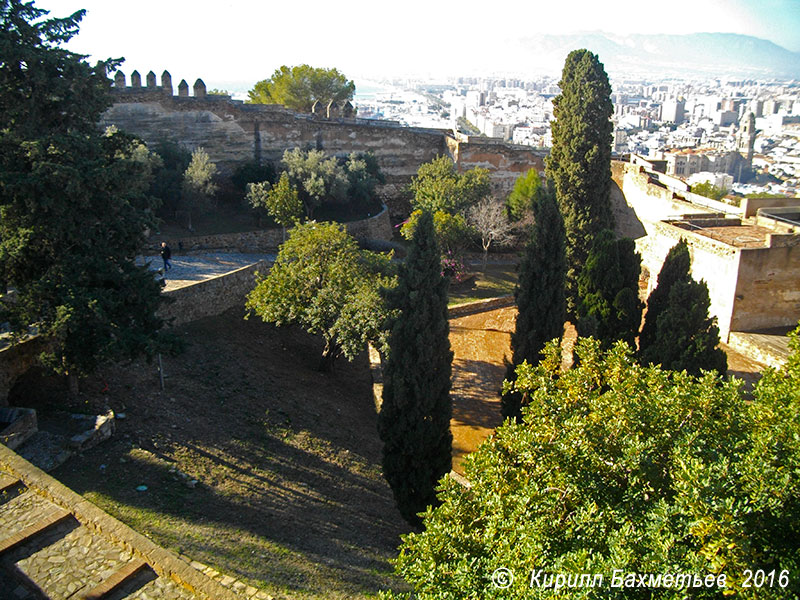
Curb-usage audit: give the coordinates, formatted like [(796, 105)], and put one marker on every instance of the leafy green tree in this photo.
[(364, 175), (198, 183), (447, 194), (300, 86), (281, 201), (622, 467), (324, 283), (608, 289), (452, 230), (677, 333), (709, 190), (541, 304), (414, 420), (252, 172), (318, 179), (527, 189), (168, 180), (74, 206), (439, 186), (579, 163)]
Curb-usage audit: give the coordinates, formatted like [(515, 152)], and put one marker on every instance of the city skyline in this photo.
[(227, 42)]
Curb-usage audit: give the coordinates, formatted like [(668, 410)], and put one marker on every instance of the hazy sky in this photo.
[(238, 41)]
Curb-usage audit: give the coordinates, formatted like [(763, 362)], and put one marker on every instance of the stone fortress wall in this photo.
[(234, 133), (749, 259)]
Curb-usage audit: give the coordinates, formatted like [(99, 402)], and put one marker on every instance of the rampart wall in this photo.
[(233, 133), (261, 241), (750, 288), (211, 296), (768, 288)]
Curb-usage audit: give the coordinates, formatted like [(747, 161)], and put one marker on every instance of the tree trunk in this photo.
[(328, 357), (72, 384)]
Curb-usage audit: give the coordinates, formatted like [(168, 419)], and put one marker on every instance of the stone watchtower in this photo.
[(747, 138)]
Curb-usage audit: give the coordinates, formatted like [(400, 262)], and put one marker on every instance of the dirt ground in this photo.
[(481, 346), (253, 461)]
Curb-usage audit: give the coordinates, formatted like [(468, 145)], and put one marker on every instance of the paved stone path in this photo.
[(47, 552), (191, 268)]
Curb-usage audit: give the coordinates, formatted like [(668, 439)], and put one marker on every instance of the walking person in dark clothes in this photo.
[(166, 254)]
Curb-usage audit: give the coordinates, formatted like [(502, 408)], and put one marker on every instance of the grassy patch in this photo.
[(492, 282), (252, 462)]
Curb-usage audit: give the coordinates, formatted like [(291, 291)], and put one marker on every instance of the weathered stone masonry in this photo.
[(233, 133)]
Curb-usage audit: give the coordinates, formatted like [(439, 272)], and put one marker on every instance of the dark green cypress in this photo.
[(675, 268), (579, 163), (609, 308), (678, 333), (414, 421), (539, 294)]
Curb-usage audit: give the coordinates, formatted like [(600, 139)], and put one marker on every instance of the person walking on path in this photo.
[(166, 254)]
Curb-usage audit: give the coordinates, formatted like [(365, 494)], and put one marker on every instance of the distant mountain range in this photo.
[(693, 55)]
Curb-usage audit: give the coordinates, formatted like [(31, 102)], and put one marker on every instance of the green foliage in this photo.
[(579, 163), (539, 294), (300, 86), (252, 172), (439, 186), (73, 201), (168, 179), (527, 189), (677, 333), (414, 421), (281, 201), (363, 177), (608, 287), (452, 231), (324, 283), (198, 182), (320, 180), (709, 190), (447, 194), (619, 466)]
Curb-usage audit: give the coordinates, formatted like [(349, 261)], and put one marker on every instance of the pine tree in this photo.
[(579, 163), (74, 207), (539, 295), (609, 308), (678, 333), (414, 421)]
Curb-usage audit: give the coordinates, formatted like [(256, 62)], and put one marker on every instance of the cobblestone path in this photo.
[(46, 553)]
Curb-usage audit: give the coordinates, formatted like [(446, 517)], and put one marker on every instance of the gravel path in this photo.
[(191, 268)]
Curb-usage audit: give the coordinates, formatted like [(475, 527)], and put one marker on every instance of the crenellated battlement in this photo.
[(152, 90)]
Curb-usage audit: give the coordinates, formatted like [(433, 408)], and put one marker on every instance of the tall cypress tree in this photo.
[(580, 160), (414, 421), (539, 294), (609, 308), (678, 333)]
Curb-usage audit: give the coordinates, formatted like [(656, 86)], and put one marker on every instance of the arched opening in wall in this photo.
[(38, 388)]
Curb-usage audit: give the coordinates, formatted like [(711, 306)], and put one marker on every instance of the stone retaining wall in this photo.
[(211, 296), (459, 310), (261, 241)]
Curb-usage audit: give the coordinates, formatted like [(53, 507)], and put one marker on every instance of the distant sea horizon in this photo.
[(367, 90)]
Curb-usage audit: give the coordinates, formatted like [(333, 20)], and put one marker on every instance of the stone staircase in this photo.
[(56, 545)]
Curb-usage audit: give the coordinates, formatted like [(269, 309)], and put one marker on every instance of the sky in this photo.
[(236, 43)]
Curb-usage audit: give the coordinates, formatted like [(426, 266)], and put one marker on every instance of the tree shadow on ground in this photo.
[(290, 494)]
